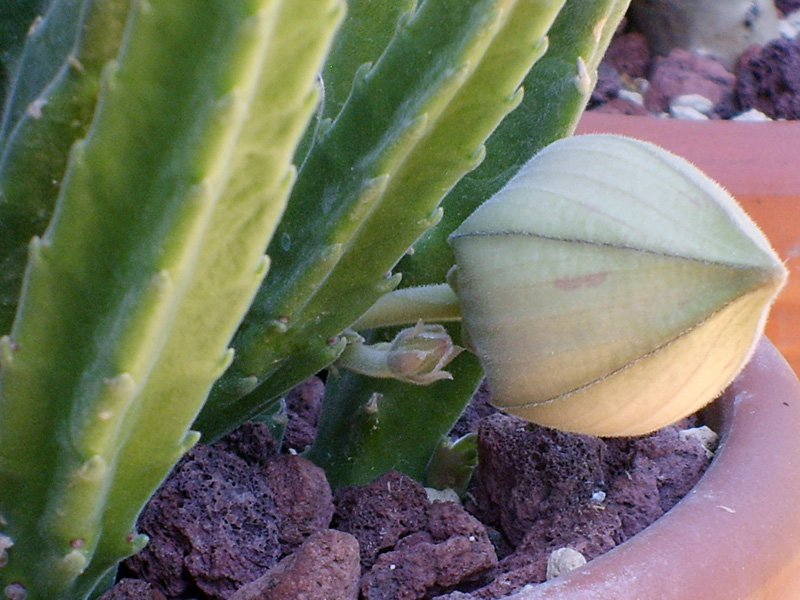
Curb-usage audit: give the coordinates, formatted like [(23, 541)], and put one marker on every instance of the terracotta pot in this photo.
[(757, 164), (736, 536)]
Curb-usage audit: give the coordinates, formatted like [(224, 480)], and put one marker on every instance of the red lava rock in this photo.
[(212, 526), (303, 405), (769, 79), (324, 567), (522, 468), (219, 522), (608, 84), (676, 463), (132, 589), (683, 72), (586, 493), (630, 54), (380, 513), (590, 529), (401, 575), (410, 547), (251, 441), (303, 499), (455, 549), (787, 6), (227, 516)]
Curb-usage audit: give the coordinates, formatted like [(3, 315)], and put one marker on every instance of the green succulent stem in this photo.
[(152, 256), (49, 106), (146, 152), (435, 303), (369, 359), (453, 463), (376, 175)]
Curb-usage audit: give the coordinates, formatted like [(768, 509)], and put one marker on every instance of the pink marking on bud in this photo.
[(574, 283)]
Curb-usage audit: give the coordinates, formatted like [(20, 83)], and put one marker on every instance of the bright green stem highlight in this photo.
[(369, 359), (366, 31), (556, 92), (431, 303)]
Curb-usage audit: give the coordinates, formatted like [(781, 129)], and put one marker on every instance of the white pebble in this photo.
[(687, 113), (631, 96), (15, 591), (704, 436), (752, 115), (598, 497), (447, 495), (696, 101), (789, 26), (787, 29), (563, 561), (5, 543)]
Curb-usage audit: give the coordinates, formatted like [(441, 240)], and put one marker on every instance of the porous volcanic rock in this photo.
[(380, 513), (303, 406), (682, 73), (585, 493), (412, 548), (132, 589), (769, 79), (629, 54), (221, 521), (324, 567)]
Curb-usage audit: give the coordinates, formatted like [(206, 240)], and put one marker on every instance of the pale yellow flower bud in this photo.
[(611, 288)]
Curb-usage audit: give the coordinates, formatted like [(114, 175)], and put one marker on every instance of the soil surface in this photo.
[(245, 520)]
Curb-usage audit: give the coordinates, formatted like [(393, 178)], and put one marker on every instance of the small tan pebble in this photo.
[(563, 561), (704, 435), (447, 495)]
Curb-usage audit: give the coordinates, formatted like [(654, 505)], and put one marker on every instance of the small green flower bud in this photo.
[(419, 354)]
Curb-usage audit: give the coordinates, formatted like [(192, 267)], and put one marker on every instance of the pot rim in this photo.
[(737, 533)]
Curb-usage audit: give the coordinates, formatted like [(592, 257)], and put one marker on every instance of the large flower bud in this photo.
[(611, 288)]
